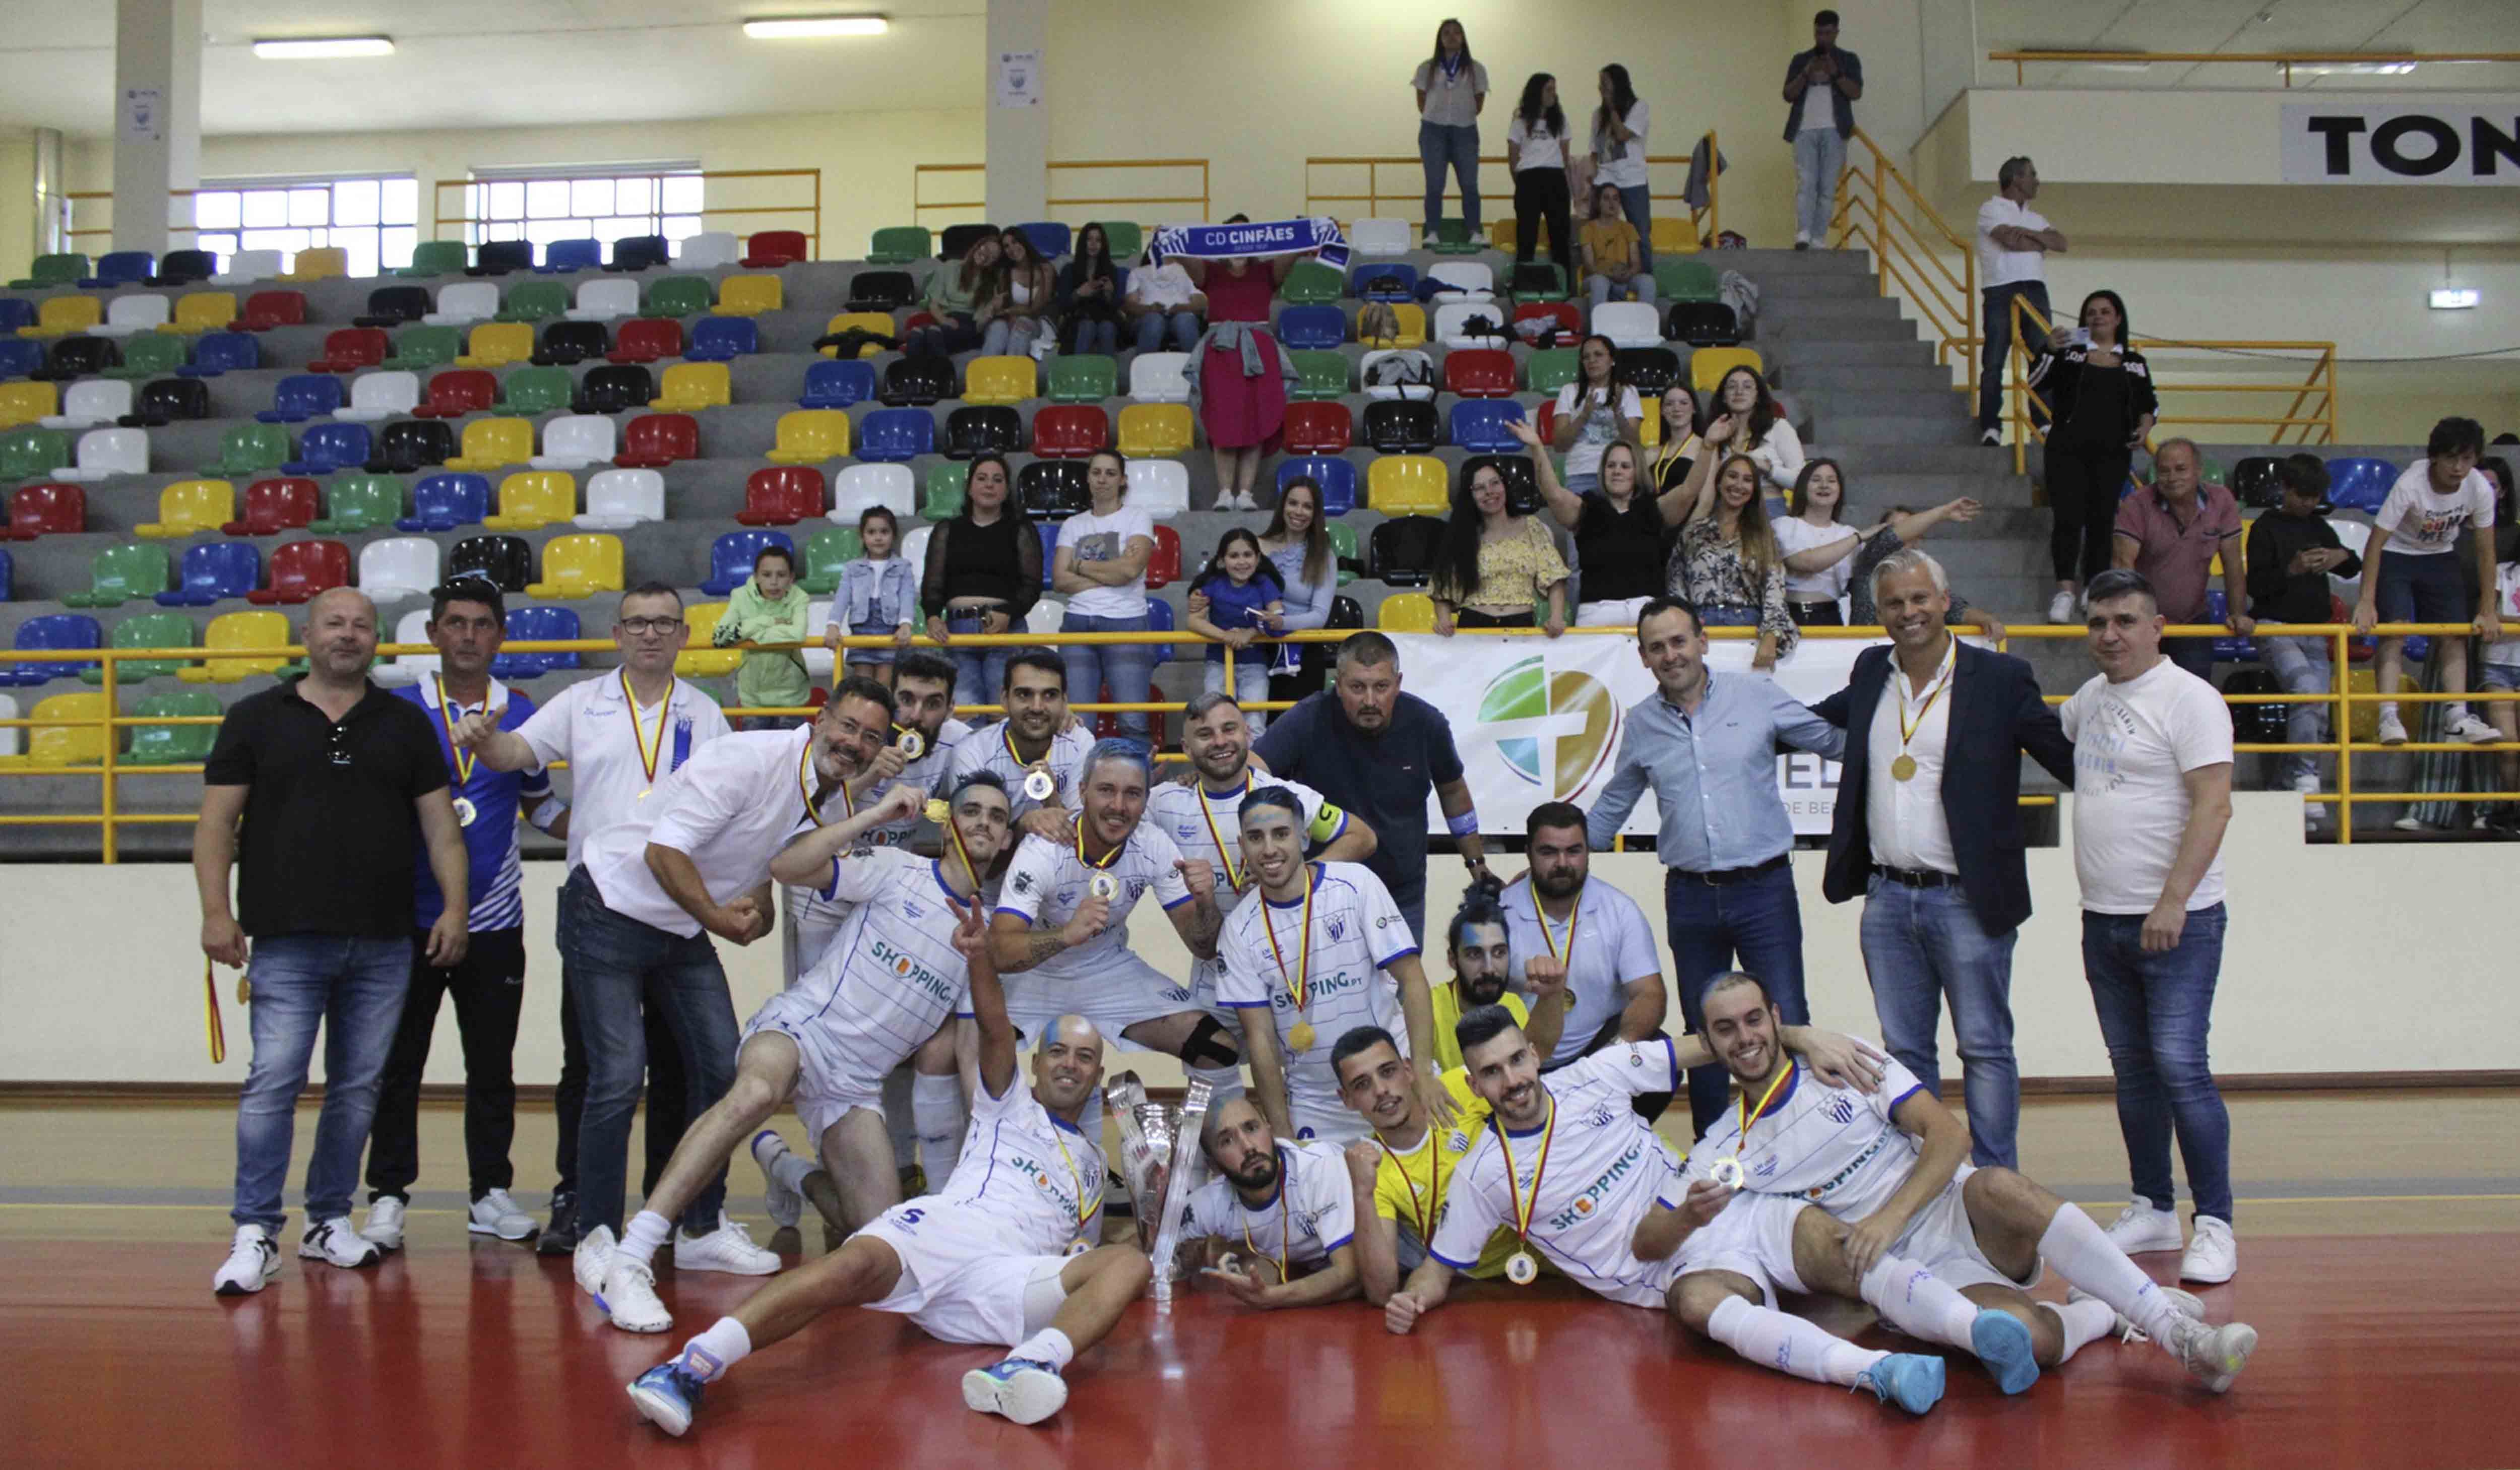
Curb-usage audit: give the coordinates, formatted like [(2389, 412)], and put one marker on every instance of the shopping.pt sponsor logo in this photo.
[(1556, 731)]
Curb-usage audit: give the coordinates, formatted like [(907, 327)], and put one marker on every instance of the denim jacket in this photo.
[(883, 592)]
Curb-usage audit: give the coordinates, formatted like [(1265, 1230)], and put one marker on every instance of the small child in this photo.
[(877, 596), (768, 608), (1238, 594)]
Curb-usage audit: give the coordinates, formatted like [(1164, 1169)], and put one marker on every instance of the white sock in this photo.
[(2086, 1319), (645, 1232), (1050, 1346), (2453, 712), (2388, 709), (1228, 1081), (1920, 1303), (1788, 1344), (708, 1355), (2082, 1253), (791, 1170), (936, 1104)]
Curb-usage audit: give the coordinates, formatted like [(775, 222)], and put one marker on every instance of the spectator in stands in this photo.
[(1614, 261), (983, 575), (956, 294), (1726, 564), (2499, 672), (1594, 410), (1102, 570), (768, 607), (1812, 528), (1238, 382), (2170, 531), (1452, 90), (1820, 142), (339, 787), (1676, 448), (1622, 530), (1536, 155), (1759, 427), (1899, 528), (1619, 127), (1239, 601), (2100, 402), (2414, 578), (1027, 292), (1298, 543), (1493, 566), (877, 598), (2292, 552), (1163, 304), (2014, 241), (1089, 294)]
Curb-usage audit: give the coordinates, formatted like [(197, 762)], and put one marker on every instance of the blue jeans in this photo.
[(2155, 1013), (607, 964), (1639, 286), (1097, 334), (1128, 670), (1920, 945), (980, 674), (1635, 205), (1755, 925), (1009, 337), (1995, 326), (1440, 146), (352, 990), (1181, 323), (2301, 666), (1820, 156)]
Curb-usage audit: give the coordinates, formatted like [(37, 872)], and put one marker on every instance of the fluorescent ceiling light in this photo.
[(2353, 69), (2455, 298), (816, 25), (322, 48)]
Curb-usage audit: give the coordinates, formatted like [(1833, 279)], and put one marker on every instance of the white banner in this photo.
[(2345, 142)]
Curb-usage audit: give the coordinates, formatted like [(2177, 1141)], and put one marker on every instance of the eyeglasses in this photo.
[(640, 626)]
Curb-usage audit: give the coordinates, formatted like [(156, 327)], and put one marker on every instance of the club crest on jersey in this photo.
[(1602, 1116), (1338, 930), (1840, 1109), (1457, 1142), (1023, 882)]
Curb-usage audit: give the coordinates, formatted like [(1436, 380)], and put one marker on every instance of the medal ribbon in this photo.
[(1574, 917), (1423, 1209), (1750, 1115), (648, 755), (1300, 983), (463, 759), (1084, 1212), (1524, 1204), (1096, 864), (1216, 834), (1907, 730), (1008, 734), (805, 782), (1286, 1237)]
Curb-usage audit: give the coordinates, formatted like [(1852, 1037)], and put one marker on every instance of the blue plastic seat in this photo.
[(59, 630), (123, 268), (1312, 327), (2228, 650), (15, 312), (638, 252), (213, 570), (1390, 281), (1049, 530), (1050, 238), (896, 434), (717, 339), (220, 352), (19, 356), (571, 255), (1335, 477), (2360, 484), (7, 576), (327, 447), (1479, 425), (535, 624), (303, 396), (1159, 619), (447, 501), (730, 559), (829, 384)]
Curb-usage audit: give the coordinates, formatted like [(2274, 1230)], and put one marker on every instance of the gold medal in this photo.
[(912, 744), (1298, 981), (1904, 767), (1103, 886), (465, 814), (1300, 1036), (1521, 1268), (935, 811)]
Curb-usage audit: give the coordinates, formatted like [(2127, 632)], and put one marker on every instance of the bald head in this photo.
[(1068, 1065), (340, 634)]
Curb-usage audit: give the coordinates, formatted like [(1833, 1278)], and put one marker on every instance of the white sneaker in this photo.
[(2313, 813), (335, 1241), (1802, 241), (629, 1297), (2212, 1253), (2474, 731), (1991, 436), (2140, 1228), (385, 1224), (2412, 823), (495, 1214), (592, 1261), (786, 1205), (2185, 1303), (2215, 1354), (1428, 243), (252, 1260), (2393, 731), (727, 1248), (1245, 500), (2060, 607)]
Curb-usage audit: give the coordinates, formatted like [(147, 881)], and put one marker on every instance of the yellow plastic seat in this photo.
[(749, 296), (1408, 484), (1160, 431), (579, 566), (1708, 364), (1674, 236), (1405, 612), (203, 311), (318, 263), (696, 385), (876, 322), (191, 508), (533, 498), (1411, 319), (1649, 430), (490, 443), (239, 630), (496, 345), (699, 660), (23, 403), (809, 436), (60, 316), (999, 379), (67, 743)]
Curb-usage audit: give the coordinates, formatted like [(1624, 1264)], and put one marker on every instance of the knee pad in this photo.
[(1209, 1046)]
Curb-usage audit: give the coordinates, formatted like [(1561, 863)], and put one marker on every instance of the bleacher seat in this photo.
[(69, 731), (328, 447), (52, 631), (302, 396), (1479, 372), (442, 503), (538, 625), (679, 296), (19, 357), (1677, 280), (615, 388), (1164, 558), (1381, 236), (1565, 316), (214, 571), (605, 298), (490, 443), (699, 660), (1086, 377), (691, 386), (408, 668), (61, 268), (462, 303), (502, 257), (174, 745), (984, 428), (90, 403), (1550, 369), (270, 310), (244, 630), (357, 502), (298, 570), (398, 567), (378, 396), (1312, 327), (1401, 427), (72, 357), (507, 561), (1702, 324), (30, 453), (1053, 489), (245, 267), (496, 345), (1317, 429), (65, 316), (771, 248), (436, 257), (1415, 377), (914, 545), (1408, 485), (619, 499), (1389, 281), (2360, 484), (1401, 551), (533, 499), (832, 384), (1405, 612), (1050, 238), (781, 495), (1070, 431), (407, 445), (858, 488), (1158, 430), (563, 256), (394, 305), (147, 629), (918, 381), (809, 436), (458, 392), (718, 339), (573, 441), (566, 344), (2254, 482), (49, 509), (1708, 364), (131, 314), (894, 434), (1319, 376), (1158, 378), (748, 295), (1479, 425), (1047, 530), (1628, 324), (24, 403), (191, 508), (527, 392), (1408, 328), (638, 252), (244, 450), (1000, 380), (730, 559), (276, 505), (1342, 538), (646, 340), (15, 312), (873, 322), (120, 575), (1159, 487), (653, 441), (203, 311), (318, 263), (707, 250), (900, 244), (352, 348), (1468, 280), (578, 566), (103, 453), (417, 347), (1312, 284)]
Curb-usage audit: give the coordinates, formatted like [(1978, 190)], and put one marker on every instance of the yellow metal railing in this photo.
[(2285, 61), (779, 214), (83, 201), (921, 205), (109, 764), (1912, 245), (1707, 224)]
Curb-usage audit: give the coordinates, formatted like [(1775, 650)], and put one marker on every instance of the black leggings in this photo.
[(2083, 489), (1540, 194)]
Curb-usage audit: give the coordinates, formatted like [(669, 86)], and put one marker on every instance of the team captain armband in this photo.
[(548, 815), (1465, 825), (1326, 823)]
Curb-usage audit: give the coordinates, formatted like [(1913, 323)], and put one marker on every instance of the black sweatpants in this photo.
[(489, 987), (1540, 194), (2083, 489)]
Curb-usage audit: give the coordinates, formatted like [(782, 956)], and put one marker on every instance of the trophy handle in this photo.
[(1185, 1154)]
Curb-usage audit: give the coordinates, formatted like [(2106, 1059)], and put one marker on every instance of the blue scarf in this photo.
[(1275, 237)]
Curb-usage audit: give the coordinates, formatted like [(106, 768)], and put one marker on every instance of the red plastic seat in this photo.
[(1164, 563), (783, 495), (1069, 430), (458, 392), (917, 319), (300, 569), (646, 340), (1566, 314), (351, 349), (774, 248), (266, 309), (1318, 428), (653, 441), (1479, 372), (274, 506), (47, 510)]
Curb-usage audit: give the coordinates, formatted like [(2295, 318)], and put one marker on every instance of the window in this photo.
[(544, 205), (375, 219)]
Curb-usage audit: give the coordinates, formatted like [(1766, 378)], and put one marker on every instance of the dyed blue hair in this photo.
[(1116, 748)]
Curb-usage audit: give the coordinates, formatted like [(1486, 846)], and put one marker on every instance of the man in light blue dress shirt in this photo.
[(1707, 748)]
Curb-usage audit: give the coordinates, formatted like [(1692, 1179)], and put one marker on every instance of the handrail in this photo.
[(1904, 232), (1707, 224), (76, 197), (920, 204), (813, 227), (2288, 60)]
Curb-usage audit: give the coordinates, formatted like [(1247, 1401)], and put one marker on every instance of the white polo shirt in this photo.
[(729, 810), (986, 748), (1905, 817), (1611, 944), (589, 725), (1998, 266), (1311, 1213)]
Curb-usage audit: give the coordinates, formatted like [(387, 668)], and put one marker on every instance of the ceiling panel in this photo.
[(2249, 27)]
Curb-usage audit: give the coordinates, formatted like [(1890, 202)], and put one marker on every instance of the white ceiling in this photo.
[(2250, 27)]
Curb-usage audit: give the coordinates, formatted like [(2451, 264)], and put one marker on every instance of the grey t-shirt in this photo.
[(1452, 98)]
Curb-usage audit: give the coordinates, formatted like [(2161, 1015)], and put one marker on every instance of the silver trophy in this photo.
[(1153, 1163)]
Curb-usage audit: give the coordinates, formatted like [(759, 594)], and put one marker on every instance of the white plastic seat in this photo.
[(818, 659), (1628, 324), (861, 487), (1386, 391), (2355, 536), (619, 499), (605, 297), (707, 249), (90, 402), (407, 668), (398, 567), (380, 395), (573, 441), (11, 737), (245, 267), (1473, 277), (1449, 317), (461, 302), (1046, 617), (132, 313), (103, 453), (914, 549), (1381, 236), (1159, 487), (1159, 378)]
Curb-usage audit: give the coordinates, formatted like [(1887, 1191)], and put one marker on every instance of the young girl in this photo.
[(768, 608), (878, 595), (1758, 429), (1727, 561), (1243, 597), (1594, 410)]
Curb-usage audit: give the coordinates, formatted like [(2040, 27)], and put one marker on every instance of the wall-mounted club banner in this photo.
[(2345, 142)]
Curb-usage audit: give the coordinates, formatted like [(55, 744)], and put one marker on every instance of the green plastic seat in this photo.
[(680, 296), (535, 390), (359, 502), (946, 482), (30, 453), (1320, 374), (1554, 293), (66, 268), (1128, 238), (826, 550), (416, 347), (1312, 284), (535, 301), (120, 573), (1677, 277), (2210, 472), (150, 630), (437, 257), (1342, 541), (249, 449), (1552, 367), (174, 745), (900, 244), (151, 354), (1452, 236), (1087, 378)]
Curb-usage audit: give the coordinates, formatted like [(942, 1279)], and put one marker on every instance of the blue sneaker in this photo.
[(669, 1396), (1023, 1390), (1910, 1380), (2002, 1340)]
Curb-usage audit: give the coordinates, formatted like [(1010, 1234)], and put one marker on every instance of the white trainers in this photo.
[(786, 1206), (333, 1240), (2393, 731), (2473, 731), (2215, 1354), (1991, 436), (385, 1224), (2140, 1228), (629, 1297), (1245, 500), (2312, 813), (252, 1260), (2060, 607), (2213, 1255), (2185, 1303), (727, 1248), (592, 1261), (495, 1214)]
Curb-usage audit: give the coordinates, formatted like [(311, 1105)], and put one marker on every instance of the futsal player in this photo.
[(1480, 952), (1036, 735), (1279, 1227)]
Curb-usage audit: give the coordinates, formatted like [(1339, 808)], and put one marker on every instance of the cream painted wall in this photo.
[(17, 207), (125, 1007)]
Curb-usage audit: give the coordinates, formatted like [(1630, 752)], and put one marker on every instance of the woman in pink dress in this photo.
[(1238, 373)]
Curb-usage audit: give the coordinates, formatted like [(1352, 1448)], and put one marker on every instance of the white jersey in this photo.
[(1603, 1165), (1609, 943), (1205, 824), (1028, 1171), (987, 748), (928, 774), (1311, 1213), (589, 724), (1047, 882), (1833, 1146), (812, 919), (890, 977), (1357, 934)]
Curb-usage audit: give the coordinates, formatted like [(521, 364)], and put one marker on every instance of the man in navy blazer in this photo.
[(1928, 829)]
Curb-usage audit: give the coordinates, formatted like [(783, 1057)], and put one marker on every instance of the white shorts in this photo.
[(1123, 991), (1334, 1125), (1941, 1240), (957, 1282), (1203, 976), (813, 923), (828, 1083), (1753, 1238)]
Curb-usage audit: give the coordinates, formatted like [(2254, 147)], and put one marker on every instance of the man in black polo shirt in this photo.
[(1376, 752), (339, 784)]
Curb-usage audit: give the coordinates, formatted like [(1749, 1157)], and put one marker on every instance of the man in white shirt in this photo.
[(1601, 939), (1280, 1206), (1162, 302), (2414, 578), (2152, 792), (2012, 245)]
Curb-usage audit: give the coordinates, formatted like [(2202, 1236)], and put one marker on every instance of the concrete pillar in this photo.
[(157, 119), (1018, 113)]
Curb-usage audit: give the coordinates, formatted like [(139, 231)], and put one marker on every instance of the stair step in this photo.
[(1862, 457), (1805, 354), (1813, 327), (1862, 307), (1938, 404), (1761, 264), (1813, 373), (1802, 286)]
